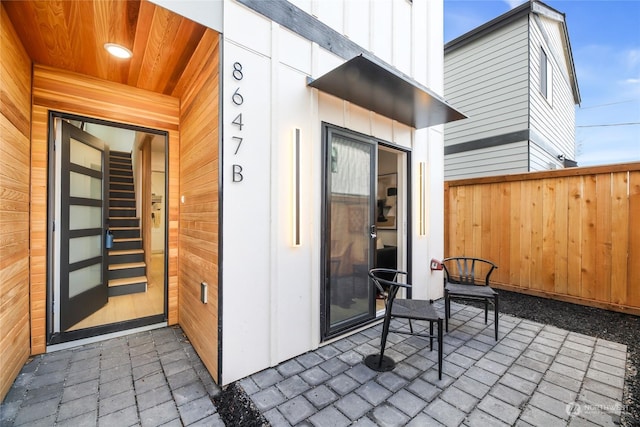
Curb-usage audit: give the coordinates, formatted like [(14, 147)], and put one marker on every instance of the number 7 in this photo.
[(239, 143)]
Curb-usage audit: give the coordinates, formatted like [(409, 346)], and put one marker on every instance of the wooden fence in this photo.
[(570, 234)]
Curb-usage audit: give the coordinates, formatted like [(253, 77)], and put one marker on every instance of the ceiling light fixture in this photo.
[(118, 51)]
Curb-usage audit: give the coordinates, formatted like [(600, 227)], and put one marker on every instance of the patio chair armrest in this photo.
[(375, 274)]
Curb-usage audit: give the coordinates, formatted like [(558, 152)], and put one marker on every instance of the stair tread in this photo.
[(125, 265), (114, 252), (128, 281), (126, 239)]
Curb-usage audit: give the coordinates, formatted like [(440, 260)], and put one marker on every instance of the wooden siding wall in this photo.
[(488, 80), (62, 91), (15, 116), (569, 234), (199, 212)]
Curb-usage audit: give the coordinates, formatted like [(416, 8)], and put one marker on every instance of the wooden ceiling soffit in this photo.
[(70, 35)]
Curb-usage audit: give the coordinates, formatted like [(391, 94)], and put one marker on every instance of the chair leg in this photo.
[(486, 310), (431, 334), (410, 326), (380, 362), (447, 310), (440, 349), (385, 332), (496, 310)]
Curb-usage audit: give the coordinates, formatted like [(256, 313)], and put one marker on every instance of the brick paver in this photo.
[(148, 378), (534, 375)]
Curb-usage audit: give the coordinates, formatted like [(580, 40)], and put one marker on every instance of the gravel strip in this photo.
[(237, 409)]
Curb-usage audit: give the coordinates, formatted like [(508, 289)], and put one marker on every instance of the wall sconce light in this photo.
[(295, 179), (422, 202)]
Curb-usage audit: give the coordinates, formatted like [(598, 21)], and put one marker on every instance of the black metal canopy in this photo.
[(376, 87)]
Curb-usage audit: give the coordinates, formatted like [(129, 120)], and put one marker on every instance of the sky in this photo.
[(605, 42)]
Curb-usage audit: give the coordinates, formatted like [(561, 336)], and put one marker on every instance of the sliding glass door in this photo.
[(349, 230)]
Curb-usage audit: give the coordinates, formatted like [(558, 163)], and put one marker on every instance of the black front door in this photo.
[(83, 213), (349, 227)]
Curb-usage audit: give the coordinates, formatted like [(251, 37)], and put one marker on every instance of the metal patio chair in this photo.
[(467, 278), (411, 309)]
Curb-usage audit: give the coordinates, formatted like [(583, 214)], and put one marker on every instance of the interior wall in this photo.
[(199, 206), (15, 85), (388, 164), (158, 209), (58, 90)]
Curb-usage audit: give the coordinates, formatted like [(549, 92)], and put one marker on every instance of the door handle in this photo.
[(373, 232)]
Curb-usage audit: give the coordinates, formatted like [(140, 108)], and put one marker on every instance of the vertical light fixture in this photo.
[(422, 226), (295, 193)]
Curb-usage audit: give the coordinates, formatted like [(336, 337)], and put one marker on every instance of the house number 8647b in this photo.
[(237, 99)]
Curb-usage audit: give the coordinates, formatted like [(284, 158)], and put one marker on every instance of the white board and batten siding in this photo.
[(271, 289), (553, 120), (488, 80)]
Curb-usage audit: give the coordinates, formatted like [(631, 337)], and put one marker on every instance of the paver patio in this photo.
[(534, 374)]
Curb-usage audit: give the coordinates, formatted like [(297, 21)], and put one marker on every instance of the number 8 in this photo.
[(237, 71)]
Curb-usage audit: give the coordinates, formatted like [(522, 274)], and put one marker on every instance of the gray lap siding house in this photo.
[(515, 78)]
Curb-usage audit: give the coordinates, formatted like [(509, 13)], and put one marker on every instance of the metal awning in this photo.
[(379, 88)]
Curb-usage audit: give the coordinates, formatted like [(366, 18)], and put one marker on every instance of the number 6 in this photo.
[(237, 98)]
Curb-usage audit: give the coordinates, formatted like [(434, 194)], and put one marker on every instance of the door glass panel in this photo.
[(84, 155), (81, 248), (350, 169), (81, 217), (84, 279), (85, 186)]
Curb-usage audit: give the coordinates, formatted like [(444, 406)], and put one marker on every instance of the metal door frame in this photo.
[(55, 337)]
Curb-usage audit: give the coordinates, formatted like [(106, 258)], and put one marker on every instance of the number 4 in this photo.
[(238, 121)]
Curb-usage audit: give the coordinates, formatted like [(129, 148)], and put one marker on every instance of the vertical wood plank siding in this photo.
[(58, 90), (15, 86), (569, 234), (199, 213)]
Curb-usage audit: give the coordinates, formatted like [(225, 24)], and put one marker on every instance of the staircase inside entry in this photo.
[(127, 269)]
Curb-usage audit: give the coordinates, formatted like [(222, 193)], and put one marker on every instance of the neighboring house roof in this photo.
[(532, 6)]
